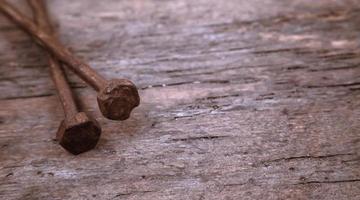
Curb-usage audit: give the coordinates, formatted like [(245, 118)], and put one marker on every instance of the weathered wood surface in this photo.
[(240, 100)]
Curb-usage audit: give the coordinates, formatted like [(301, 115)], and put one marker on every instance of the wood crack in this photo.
[(333, 85), (186, 83), (132, 193), (28, 96), (335, 181), (306, 157), (210, 137), (353, 66)]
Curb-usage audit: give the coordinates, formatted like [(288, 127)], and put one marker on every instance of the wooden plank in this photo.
[(240, 100)]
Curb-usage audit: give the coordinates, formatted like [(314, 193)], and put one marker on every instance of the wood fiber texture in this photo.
[(240, 99)]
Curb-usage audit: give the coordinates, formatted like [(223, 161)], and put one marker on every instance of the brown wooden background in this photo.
[(240, 100)]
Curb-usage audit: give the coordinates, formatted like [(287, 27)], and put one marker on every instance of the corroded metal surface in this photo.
[(239, 100)]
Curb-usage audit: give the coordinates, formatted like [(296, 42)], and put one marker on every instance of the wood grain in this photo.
[(240, 100)]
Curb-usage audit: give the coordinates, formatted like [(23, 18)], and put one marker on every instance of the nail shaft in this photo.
[(78, 133), (57, 72), (116, 98), (51, 44)]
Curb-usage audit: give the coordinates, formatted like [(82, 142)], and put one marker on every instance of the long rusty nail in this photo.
[(116, 98), (78, 132)]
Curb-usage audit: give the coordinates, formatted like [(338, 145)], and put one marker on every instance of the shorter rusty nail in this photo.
[(116, 98), (78, 132)]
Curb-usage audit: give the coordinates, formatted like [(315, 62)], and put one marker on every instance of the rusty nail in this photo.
[(116, 98), (78, 132)]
